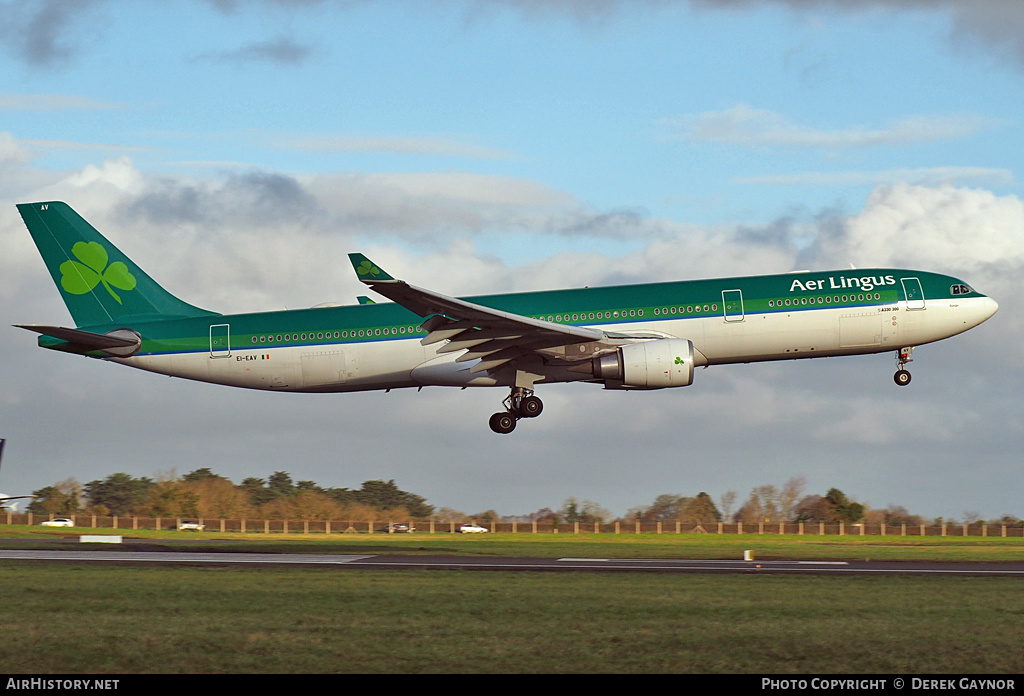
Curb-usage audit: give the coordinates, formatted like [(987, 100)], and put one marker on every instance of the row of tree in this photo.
[(789, 504), (204, 494)]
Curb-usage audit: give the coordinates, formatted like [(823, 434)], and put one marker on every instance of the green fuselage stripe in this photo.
[(607, 306)]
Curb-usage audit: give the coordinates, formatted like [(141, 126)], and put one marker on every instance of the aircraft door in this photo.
[(220, 340), (732, 301), (914, 293)]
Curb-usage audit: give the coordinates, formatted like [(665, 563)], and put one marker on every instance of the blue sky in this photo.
[(693, 114), (238, 150)]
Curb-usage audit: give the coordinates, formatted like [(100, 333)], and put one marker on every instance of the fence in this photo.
[(250, 526)]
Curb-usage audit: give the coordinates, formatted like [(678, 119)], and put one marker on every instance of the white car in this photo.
[(472, 529), (57, 522), (190, 526)]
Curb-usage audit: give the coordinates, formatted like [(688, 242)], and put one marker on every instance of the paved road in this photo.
[(382, 562)]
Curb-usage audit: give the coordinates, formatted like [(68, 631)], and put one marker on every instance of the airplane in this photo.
[(7, 506), (630, 337)]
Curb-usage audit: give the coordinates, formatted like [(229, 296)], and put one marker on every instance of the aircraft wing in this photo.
[(493, 336)]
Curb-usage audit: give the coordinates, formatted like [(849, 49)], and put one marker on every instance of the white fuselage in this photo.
[(404, 362)]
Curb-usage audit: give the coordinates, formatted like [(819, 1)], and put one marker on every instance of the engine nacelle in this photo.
[(655, 364)]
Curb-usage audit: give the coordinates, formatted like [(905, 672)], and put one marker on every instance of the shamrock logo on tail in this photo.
[(367, 268), (91, 269)]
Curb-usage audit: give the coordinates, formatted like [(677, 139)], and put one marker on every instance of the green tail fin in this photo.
[(99, 284)]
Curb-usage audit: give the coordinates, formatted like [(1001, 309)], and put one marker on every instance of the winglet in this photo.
[(366, 270)]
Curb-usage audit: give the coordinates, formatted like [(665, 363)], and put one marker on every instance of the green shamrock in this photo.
[(367, 268), (680, 361), (91, 269)]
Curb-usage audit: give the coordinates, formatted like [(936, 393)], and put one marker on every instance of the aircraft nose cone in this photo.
[(990, 307)]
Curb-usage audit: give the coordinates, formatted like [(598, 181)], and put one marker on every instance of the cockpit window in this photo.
[(960, 289)]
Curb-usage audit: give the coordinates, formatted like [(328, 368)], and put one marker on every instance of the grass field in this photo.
[(121, 619), (732, 546)]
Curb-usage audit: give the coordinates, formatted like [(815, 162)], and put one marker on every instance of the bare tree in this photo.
[(727, 500), (768, 497), (791, 492)]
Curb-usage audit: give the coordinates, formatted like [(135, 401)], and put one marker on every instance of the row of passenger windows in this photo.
[(688, 309), (321, 335), (561, 318), (694, 309), (623, 314), (406, 330), (863, 297)]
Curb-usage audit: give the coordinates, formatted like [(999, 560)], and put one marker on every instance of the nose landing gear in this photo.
[(902, 377), (521, 403)]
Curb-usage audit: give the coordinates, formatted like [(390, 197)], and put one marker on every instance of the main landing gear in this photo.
[(521, 403), (902, 377)]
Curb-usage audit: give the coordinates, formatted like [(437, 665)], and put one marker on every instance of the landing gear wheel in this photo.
[(503, 423), (530, 406), (902, 377), (520, 403)]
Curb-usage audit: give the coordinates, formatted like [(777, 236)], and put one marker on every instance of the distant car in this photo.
[(472, 529), (57, 522), (399, 528), (190, 526)]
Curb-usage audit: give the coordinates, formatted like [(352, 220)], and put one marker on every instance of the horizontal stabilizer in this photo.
[(122, 342)]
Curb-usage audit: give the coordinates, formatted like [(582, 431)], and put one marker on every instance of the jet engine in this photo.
[(655, 364)]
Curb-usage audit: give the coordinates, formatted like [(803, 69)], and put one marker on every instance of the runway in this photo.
[(411, 562)]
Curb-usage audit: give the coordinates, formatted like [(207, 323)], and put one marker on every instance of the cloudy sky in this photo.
[(238, 150)]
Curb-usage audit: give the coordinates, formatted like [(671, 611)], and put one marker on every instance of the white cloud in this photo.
[(948, 229), (10, 150), (923, 176), (50, 102), (120, 174), (749, 127)]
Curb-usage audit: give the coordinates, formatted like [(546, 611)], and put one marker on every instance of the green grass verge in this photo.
[(126, 620), (709, 546)]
